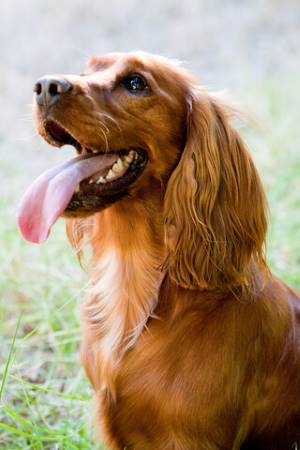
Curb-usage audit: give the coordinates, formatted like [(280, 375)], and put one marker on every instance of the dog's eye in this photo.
[(134, 83)]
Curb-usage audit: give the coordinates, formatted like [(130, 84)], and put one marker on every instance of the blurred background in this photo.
[(250, 49)]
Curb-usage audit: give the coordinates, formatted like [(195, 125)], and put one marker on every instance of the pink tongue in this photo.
[(48, 196)]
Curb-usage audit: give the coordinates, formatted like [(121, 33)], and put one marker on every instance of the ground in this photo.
[(250, 49)]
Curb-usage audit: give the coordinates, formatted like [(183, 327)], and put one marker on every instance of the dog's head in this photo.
[(129, 107), (139, 124)]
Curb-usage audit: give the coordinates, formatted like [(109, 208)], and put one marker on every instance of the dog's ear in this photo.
[(215, 207)]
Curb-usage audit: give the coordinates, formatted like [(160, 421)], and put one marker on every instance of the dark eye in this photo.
[(134, 83)]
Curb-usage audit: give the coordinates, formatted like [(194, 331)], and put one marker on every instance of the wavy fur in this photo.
[(214, 203), (189, 341)]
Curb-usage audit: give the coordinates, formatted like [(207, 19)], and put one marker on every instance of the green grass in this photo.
[(275, 146), (45, 397)]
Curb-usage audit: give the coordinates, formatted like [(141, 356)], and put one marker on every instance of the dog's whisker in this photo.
[(110, 118), (103, 135)]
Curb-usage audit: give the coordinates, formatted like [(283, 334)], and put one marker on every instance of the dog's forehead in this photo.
[(118, 62), (100, 62), (158, 70)]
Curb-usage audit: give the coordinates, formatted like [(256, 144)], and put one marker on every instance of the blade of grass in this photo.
[(51, 391), (9, 358), (31, 436), (25, 422)]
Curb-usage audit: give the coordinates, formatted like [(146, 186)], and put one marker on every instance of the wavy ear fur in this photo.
[(215, 207)]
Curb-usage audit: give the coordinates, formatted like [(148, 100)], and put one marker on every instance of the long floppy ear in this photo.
[(215, 207)]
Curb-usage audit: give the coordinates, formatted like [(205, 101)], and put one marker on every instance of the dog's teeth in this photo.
[(101, 180), (111, 175), (94, 151), (128, 158), (118, 166), (77, 188), (91, 181)]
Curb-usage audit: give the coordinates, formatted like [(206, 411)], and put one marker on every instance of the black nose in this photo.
[(49, 90)]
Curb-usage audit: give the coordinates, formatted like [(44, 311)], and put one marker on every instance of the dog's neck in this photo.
[(125, 279)]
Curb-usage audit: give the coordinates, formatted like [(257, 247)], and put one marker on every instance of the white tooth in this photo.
[(128, 158), (116, 170), (132, 153), (126, 164), (77, 188), (118, 167), (94, 151), (111, 175), (119, 163), (101, 180), (91, 181)]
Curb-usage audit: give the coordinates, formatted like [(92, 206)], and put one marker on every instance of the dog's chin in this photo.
[(101, 188)]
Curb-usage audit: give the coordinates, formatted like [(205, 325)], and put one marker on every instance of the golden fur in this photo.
[(190, 343)]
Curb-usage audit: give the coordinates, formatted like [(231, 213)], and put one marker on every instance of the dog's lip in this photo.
[(58, 135), (92, 191)]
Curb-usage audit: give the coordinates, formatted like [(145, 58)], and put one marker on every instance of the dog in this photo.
[(189, 341)]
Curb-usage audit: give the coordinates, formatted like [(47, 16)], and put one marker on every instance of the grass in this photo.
[(44, 395)]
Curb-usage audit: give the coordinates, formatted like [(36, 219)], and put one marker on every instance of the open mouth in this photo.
[(80, 187), (108, 181), (60, 136)]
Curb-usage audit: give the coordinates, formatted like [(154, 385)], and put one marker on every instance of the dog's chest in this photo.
[(166, 383)]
